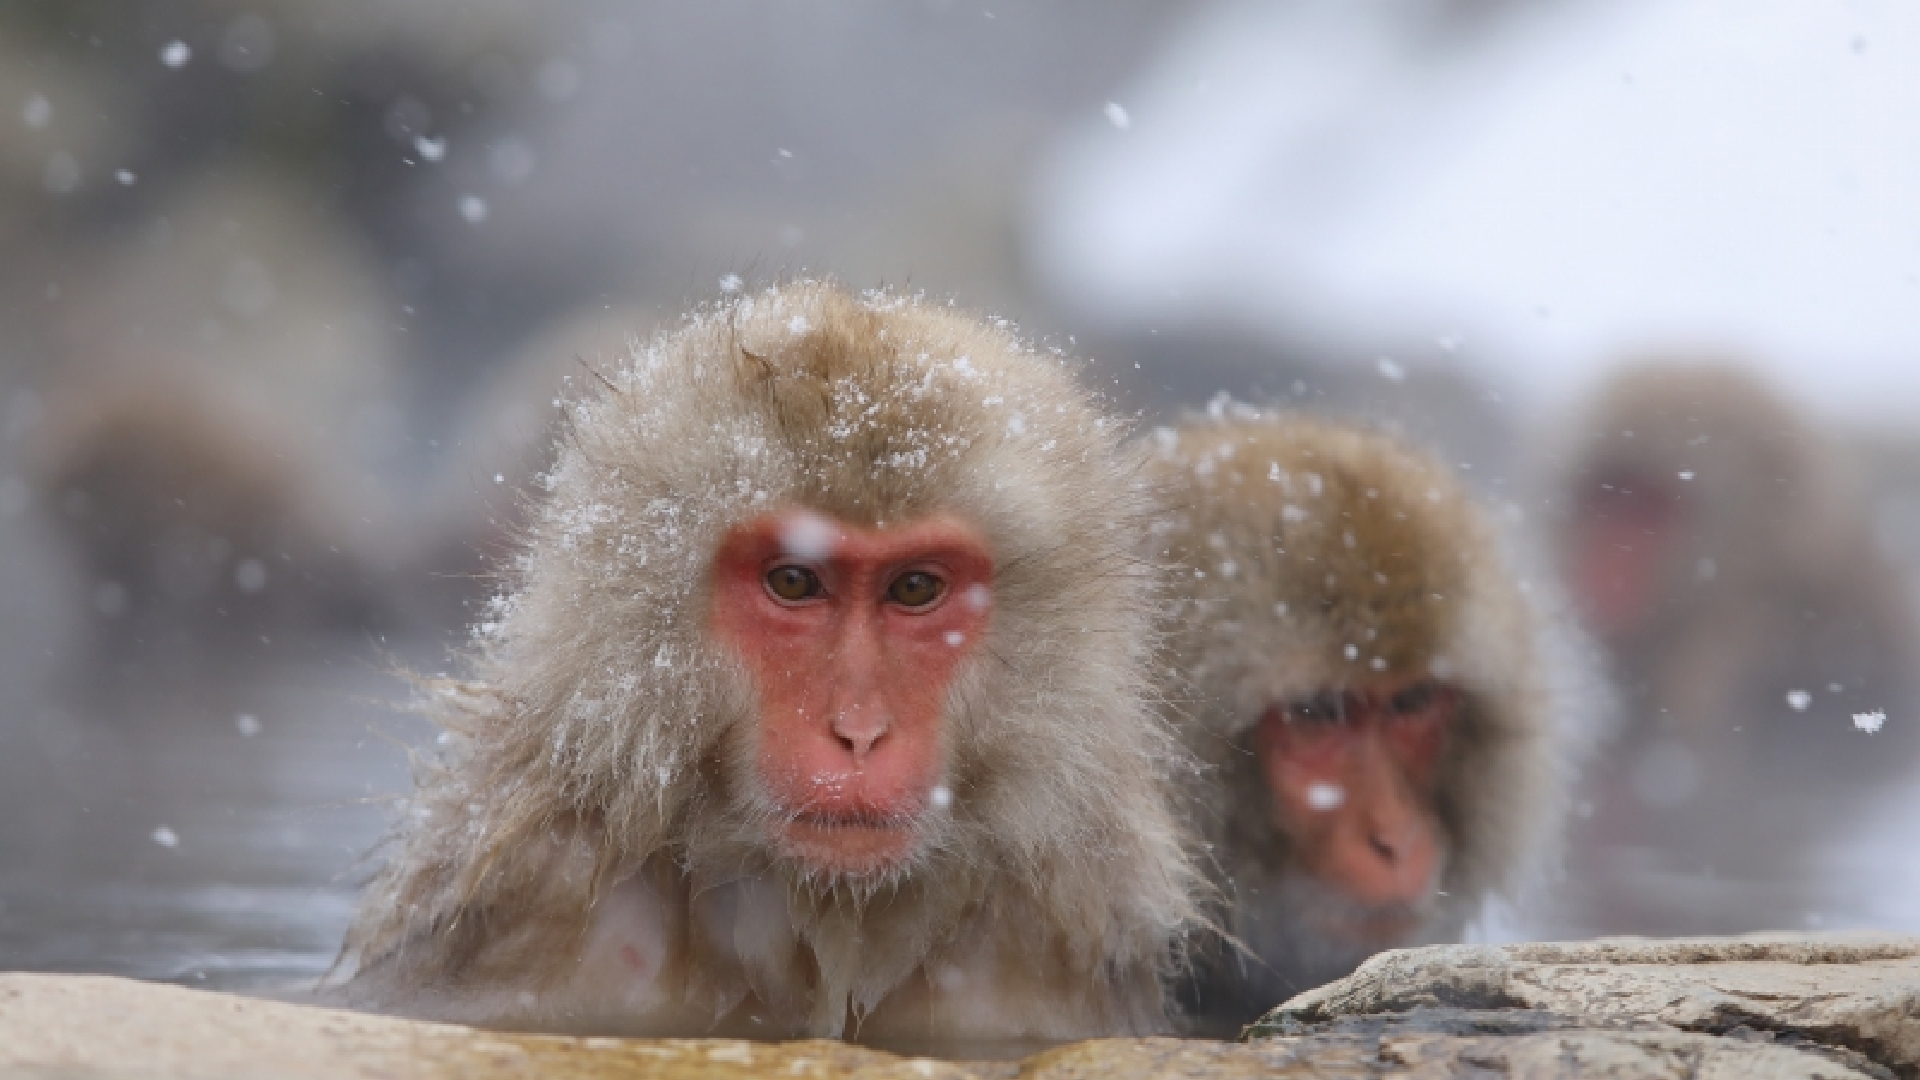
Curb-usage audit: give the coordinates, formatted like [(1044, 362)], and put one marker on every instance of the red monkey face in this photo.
[(1625, 528), (1352, 783), (850, 637)]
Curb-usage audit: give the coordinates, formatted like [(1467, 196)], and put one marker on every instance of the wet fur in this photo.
[(601, 743), (1367, 544)]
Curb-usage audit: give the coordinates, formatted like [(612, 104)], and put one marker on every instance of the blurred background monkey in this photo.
[(1762, 642), (1365, 680)]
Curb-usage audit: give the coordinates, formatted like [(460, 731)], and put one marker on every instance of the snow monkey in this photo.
[(820, 704), (1363, 676), (202, 529), (1716, 550)]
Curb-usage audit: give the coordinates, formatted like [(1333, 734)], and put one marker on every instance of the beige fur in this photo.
[(1313, 554), (1716, 799), (595, 794)]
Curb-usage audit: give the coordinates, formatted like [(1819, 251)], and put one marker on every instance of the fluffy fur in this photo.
[(1717, 797), (1313, 554), (599, 753)]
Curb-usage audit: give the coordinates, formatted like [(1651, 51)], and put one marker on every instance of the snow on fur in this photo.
[(600, 737)]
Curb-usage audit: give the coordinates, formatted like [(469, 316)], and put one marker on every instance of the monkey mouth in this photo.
[(1373, 923), (853, 842), (1315, 910)]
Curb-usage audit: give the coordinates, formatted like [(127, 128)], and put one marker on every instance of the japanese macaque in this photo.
[(198, 529), (1760, 640), (820, 704), (219, 410), (1365, 680)]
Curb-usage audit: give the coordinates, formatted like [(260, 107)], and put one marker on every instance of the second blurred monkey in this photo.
[(1715, 551), (1362, 676)]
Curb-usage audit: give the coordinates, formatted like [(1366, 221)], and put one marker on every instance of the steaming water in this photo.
[(269, 831), (272, 830)]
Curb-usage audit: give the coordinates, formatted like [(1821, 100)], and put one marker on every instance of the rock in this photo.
[(1426, 1046), (1440, 1042), (108, 1028), (1856, 998), (1800, 1008)]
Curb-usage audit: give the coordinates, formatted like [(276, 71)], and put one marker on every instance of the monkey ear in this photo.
[(762, 366)]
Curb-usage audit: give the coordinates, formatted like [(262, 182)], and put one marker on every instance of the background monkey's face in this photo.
[(1627, 526), (1351, 779), (850, 637)]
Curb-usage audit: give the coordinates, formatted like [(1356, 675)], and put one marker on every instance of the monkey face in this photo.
[(1625, 528), (1351, 778), (850, 637)]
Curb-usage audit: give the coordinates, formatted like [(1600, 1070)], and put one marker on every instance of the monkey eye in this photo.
[(1318, 709), (1414, 699), (793, 583), (916, 589)]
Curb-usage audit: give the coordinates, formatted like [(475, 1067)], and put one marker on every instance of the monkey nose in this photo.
[(1389, 846), (859, 729), (1397, 865)]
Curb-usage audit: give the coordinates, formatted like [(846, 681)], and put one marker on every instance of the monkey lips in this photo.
[(851, 637)]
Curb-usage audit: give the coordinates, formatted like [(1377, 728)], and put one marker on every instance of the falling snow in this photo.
[(250, 575), (808, 537), (1324, 796)]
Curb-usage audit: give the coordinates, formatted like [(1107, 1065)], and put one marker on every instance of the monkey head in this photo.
[(832, 612), (1684, 478), (1359, 670)]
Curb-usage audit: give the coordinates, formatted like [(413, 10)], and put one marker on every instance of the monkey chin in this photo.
[(1372, 926), (1303, 933), (842, 848)]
